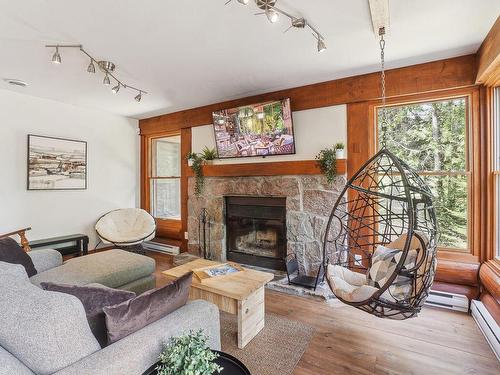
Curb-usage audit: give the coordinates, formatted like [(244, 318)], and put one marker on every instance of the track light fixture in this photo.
[(107, 67), (91, 67), (56, 57), (272, 13), (106, 80)]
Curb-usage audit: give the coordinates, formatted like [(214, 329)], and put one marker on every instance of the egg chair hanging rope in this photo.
[(383, 122), (379, 249)]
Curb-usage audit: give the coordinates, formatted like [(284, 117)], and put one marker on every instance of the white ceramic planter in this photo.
[(339, 153), (190, 162)]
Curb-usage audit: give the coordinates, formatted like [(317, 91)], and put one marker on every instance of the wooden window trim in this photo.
[(166, 228), (476, 215)]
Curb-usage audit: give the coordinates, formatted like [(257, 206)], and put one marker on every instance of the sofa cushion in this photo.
[(134, 314), (11, 252), (15, 270), (94, 298), (47, 331), (45, 259), (11, 365), (112, 268)]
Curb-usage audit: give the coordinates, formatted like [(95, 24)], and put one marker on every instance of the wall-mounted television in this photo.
[(261, 129)]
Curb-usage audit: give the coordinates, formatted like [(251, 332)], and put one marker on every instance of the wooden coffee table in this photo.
[(241, 293)]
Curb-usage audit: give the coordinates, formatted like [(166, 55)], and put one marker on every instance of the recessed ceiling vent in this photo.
[(15, 82)]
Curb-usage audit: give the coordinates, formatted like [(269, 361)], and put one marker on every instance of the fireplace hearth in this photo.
[(256, 231)]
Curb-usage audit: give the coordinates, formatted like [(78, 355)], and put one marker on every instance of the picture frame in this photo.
[(56, 163)]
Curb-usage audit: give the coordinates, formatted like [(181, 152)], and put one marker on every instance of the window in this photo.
[(496, 164), (432, 137), (165, 178)]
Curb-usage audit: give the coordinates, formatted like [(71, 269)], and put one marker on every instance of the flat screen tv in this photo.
[(261, 129)]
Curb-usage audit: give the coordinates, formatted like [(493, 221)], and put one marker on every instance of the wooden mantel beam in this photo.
[(488, 58)]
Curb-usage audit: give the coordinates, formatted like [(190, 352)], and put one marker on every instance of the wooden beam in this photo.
[(488, 58), (421, 78), (279, 168), (379, 10)]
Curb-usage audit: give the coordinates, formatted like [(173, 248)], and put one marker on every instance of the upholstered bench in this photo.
[(113, 268)]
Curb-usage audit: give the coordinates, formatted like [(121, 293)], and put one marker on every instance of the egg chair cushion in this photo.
[(348, 285), (384, 262), (128, 226)]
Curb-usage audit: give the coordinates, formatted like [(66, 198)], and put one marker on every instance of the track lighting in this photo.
[(106, 80), (56, 57), (272, 15), (321, 45), (91, 67), (106, 67)]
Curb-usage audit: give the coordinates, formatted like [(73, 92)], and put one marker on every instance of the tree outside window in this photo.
[(432, 138)]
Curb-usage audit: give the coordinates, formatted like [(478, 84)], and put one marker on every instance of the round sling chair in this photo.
[(126, 228), (379, 249)]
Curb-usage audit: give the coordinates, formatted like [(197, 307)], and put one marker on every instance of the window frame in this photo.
[(471, 94), (495, 167), (152, 176), (165, 228)]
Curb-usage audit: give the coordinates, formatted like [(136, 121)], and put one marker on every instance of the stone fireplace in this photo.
[(256, 231), (305, 199)]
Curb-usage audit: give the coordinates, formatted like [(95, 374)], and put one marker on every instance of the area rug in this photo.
[(275, 350), (322, 292)]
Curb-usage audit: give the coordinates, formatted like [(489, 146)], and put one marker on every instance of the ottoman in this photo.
[(113, 268)]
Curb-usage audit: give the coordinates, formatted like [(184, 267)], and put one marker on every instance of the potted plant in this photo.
[(327, 162), (188, 355), (209, 154), (191, 158), (339, 150)]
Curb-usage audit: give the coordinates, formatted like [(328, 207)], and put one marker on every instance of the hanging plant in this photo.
[(327, 162), (196, 162)]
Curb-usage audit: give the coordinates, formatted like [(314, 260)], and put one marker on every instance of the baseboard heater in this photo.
[(445, 300), (487, 325), (161, 247)]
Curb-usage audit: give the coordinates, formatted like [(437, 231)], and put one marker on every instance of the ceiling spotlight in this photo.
[(116, 88), (91, 67), (244, 2), (138, 97), (272, 15), (321, 45), (56, 57), (299, 23), (106, 80)]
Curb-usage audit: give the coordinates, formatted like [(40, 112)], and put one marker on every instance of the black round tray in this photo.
[(232, 366)]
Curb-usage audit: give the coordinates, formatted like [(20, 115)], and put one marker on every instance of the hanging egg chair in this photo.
[(380, 243)]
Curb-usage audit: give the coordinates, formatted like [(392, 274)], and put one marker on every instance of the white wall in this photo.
[(113, 166), (314, 129)]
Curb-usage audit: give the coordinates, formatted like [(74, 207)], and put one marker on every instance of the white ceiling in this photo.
[(195, 52)]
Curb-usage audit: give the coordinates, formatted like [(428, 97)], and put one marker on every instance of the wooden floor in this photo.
[(348, 341)]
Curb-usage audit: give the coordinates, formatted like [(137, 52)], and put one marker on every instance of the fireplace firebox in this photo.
[(256, 231)]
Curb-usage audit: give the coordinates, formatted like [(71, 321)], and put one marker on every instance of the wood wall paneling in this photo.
[(488, 58), (490, 278), (428, 77)]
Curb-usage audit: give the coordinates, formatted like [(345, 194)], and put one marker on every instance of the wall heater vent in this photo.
[(457, 302), (161, 248), (487, 325)]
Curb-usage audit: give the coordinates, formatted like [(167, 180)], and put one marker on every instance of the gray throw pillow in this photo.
[(11, 252), (94, 298), (134, 314)]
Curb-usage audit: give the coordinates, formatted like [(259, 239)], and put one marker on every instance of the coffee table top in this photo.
[(237, 285)]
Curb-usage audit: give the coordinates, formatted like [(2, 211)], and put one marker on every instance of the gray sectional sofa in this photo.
[(44, 332)]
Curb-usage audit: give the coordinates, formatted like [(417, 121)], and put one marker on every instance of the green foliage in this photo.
[(431, 137), (339, 146), (327, 162), (197, 168), (188, 355), (209, 153)]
